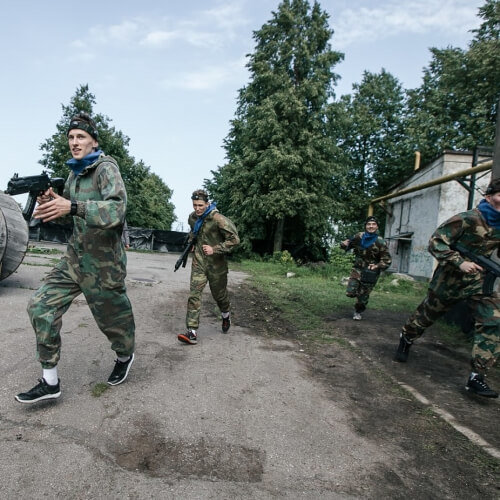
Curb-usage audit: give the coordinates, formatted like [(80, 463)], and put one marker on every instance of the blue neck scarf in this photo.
[(77, 166), (368, 239), (201, 218), (491, 215)]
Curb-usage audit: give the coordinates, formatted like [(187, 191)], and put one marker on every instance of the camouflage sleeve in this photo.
[(109, 211), (385, 256), (445, 235), (229, 232)]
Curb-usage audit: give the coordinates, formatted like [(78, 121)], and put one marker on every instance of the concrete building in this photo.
[(413, 217)]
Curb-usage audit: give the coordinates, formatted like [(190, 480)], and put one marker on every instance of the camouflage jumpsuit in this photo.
[(94, 264), (220, 233), (378, 253), (449, 285)]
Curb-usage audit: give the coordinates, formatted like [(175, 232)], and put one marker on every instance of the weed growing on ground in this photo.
[(99, 389), (43, 250)]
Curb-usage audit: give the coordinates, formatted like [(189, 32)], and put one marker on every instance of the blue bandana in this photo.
[(77, 166), (368, 239), (491, 215), (201, 218)]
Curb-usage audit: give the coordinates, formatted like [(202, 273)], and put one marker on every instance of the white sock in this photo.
[(225, 315), (123, 359), (50, 375)]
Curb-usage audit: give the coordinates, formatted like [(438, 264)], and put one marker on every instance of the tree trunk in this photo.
[(278, 235)]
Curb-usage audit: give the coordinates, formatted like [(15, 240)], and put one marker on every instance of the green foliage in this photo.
[(340, 260), (455, 107), (149, 197), (277, 182), (284, 258), (371, 130)]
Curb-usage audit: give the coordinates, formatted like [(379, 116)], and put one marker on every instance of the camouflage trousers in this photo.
[(486, 312), (217, 281), (358, 290), (108, 302)]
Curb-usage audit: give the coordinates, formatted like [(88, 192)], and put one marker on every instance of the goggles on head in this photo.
[(199, 197)]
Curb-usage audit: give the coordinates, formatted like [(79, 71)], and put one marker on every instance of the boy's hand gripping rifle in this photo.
[(491, 268), (35, 185)]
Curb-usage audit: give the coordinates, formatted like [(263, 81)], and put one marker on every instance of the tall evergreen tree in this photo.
[(277, 182), (149, 197)]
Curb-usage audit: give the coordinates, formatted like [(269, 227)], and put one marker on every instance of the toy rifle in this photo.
[(491, 268), (35, 185), (183, 258)]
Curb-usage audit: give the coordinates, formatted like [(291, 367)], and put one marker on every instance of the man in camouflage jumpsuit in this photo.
[(94, 263), (371, 253), (216, 237), (456, 278)]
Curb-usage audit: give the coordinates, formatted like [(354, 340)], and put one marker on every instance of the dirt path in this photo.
[(260, 413), (444, 442)]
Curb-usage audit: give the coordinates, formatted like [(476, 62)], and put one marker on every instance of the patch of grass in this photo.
[(316, 291), (43, 250), (99, 389)]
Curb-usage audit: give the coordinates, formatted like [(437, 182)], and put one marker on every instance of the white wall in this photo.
[(423, 211)]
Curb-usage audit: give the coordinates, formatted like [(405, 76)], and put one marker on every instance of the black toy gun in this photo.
[(35, 185), (183, 258), (491, 268)]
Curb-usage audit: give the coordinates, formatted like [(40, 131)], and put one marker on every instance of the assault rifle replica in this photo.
[(35, 185), (491, 268), (183, 258)]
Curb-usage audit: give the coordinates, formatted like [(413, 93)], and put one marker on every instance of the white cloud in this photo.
[(122, 33), (208, 78), (210, 28), (228, 17), (158, 38), (396, 17)]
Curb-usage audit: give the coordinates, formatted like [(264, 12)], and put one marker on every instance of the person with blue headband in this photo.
[(457, 277), (371, 256), (215, 237), (94, 264)]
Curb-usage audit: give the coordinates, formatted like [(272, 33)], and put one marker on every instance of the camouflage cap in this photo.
[(83, 121)]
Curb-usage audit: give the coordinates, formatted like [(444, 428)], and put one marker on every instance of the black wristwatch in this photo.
[(74, 208)]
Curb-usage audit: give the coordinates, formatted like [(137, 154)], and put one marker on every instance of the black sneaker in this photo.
[(40, 392), (120, 371), (403, 349), (188, 338), (477, 385), (226, 323)]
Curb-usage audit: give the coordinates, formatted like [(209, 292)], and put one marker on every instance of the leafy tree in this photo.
[(149, 197), (455, 107), (277, 182), (371, 137)]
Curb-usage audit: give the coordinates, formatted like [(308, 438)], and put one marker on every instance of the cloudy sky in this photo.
[(167, 73)]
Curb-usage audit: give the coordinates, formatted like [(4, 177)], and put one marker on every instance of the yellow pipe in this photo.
[(480, 168), (417, 160)]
